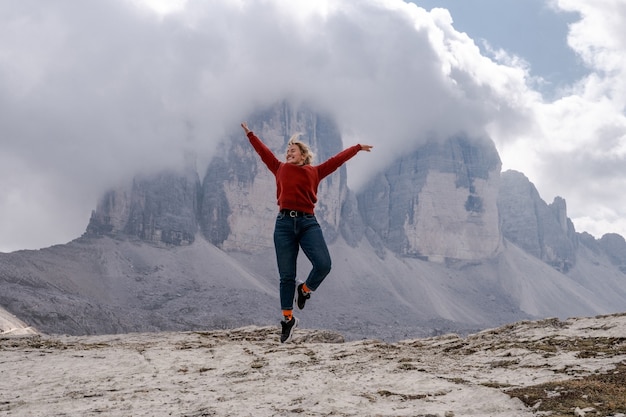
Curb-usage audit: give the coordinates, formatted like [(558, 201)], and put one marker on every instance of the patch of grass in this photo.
[(457, 346), (504, 363), (606, 393), (493, 384), (587, 347), (407, 397), (457, 380), (407, 366)]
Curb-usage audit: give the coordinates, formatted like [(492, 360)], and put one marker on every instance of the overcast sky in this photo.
[(93, 92)]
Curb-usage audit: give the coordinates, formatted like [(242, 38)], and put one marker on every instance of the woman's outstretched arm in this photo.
[(264, 152)]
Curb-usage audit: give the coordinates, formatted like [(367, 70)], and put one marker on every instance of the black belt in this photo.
[(293, 213)]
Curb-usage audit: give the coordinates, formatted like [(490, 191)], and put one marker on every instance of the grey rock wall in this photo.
[(614, 246), (440, 241), (159, 208), (438, 202), (540, 229), (444, 201)]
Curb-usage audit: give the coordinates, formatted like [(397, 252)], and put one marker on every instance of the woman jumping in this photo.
[(296, 227)]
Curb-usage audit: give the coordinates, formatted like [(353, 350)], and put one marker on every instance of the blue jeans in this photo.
[(291, 234)]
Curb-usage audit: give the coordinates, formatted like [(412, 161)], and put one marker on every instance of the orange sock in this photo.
[(305, 288), (288, 314)]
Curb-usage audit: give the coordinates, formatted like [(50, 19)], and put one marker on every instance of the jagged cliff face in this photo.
[(234, 206), (209, 262), (161, 208), (437, 203), (444, 201), (540, 229), (614, 246)]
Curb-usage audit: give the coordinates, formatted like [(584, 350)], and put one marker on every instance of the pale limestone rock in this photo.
[(444, 228), (437, 203)]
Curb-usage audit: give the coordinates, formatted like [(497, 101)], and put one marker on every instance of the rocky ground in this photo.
[(549, 367)]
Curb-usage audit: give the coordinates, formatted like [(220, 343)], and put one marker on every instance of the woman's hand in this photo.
[(244, 125), (366, 148)]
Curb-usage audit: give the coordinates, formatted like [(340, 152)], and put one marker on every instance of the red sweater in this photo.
[(296, 185)]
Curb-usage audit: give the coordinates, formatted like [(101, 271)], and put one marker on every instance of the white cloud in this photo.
[(92, 92), (162, 7), (579, 148)]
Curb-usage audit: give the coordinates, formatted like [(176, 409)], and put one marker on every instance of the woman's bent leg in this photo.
[(315, 248)]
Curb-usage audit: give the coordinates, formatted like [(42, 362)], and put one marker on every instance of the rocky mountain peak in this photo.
[(235, 203), (160, 208), (540, 229), (444, 201), (438, 241), (438, 202), (614, 246)]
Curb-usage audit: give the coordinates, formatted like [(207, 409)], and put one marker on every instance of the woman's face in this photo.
[(294, 155)]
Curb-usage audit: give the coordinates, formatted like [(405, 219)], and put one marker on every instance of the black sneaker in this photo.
[(288, 328), (301, 296)]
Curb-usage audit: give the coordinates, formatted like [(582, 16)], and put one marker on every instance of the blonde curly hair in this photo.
[(304, 148)]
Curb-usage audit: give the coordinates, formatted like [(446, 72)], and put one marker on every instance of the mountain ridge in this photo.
[(439, 241)]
